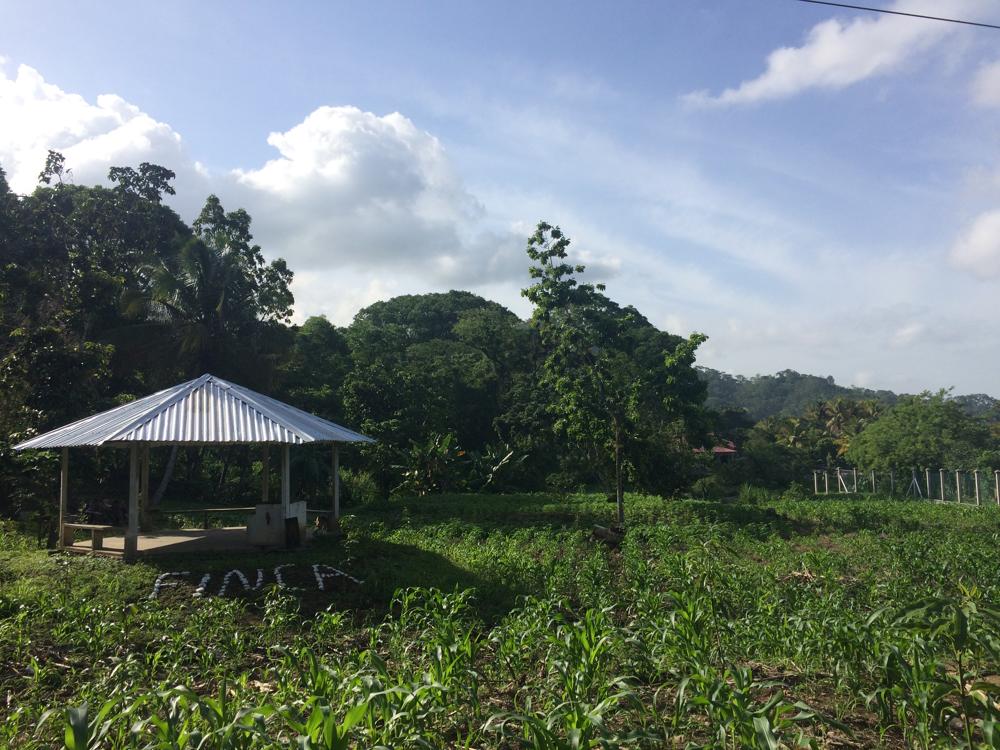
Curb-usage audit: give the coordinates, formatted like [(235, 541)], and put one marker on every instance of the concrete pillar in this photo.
[(63, 493), (286, 488), (336, 482), (132, 530), (144, 491)]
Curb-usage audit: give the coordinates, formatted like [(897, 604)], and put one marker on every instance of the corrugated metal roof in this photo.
[(205, 410)]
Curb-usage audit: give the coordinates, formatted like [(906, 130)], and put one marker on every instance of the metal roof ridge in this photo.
[(183, 390), (240, 393), (271, 407)]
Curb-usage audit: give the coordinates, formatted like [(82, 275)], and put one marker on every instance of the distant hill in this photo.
[(789, 392)]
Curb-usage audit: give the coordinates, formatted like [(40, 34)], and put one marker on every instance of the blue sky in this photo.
[(814, 188)]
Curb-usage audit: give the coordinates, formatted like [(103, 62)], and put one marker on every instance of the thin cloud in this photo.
[(837, 54), (977, 249), (985, 88)]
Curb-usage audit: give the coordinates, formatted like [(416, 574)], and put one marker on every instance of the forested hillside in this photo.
[(788, 392)]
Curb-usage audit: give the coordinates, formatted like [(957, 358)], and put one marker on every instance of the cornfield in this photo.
[(499, 622)]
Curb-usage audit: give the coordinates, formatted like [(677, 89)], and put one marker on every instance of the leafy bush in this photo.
[(360, 487), (754, 495), (796, 492)]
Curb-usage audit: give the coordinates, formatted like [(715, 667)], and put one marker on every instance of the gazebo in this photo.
[(204, 411)]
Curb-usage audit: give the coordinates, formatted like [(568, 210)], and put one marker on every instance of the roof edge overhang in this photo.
[(299, 426)]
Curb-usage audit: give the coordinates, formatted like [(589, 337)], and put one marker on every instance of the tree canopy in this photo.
[(925, 431)]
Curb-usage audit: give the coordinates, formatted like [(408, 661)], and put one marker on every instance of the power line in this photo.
[(901, 13)]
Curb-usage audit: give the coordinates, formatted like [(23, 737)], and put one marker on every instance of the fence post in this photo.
[(854, 473), (826, 483), (873, 481), (927, 481), (958, 485), (941, 477), (815, 482), (975, 477)]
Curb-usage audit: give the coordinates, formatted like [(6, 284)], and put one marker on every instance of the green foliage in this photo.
[(930, 430), (359, 487), (432, 466), (753, 495)]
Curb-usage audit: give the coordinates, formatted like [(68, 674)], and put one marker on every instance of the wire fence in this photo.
[(976, 487)]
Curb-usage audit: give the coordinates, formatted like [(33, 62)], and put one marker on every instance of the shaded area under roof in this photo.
[(204, 410)]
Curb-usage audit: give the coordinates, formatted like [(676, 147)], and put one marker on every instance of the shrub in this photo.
[(359, 487), (795, 492), (753, 495)]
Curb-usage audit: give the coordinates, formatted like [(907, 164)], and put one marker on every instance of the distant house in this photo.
[(723, 452)]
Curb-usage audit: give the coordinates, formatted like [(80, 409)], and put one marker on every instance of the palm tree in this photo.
[(194, 299), (197, 314)]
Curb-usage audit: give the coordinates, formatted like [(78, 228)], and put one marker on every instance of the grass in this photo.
[(497, 621)]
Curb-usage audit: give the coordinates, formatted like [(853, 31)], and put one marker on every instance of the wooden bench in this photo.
[(203, 512), (97, 532)]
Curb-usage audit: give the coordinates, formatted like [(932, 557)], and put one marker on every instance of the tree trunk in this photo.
[(168, 472), (227, 454), (619, 494)]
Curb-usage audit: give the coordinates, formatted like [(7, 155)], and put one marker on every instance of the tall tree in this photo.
[(925, 431), (615, 381)]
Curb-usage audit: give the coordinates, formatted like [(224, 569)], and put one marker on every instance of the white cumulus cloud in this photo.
[(351, 187), (38, 116), (837, 54), (351, 197), (978, 248)]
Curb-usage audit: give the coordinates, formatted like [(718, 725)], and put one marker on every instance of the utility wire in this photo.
[(901, 13)]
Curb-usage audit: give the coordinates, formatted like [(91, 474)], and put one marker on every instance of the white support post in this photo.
[(336, 483), (265, 474), (286, 489), (63, 494), (144, 490), (873, 482), (854, 473), (826, 483), (941, 478), (927, 482), (975, 478), (958, 486), (132, 531), (815, 482)]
